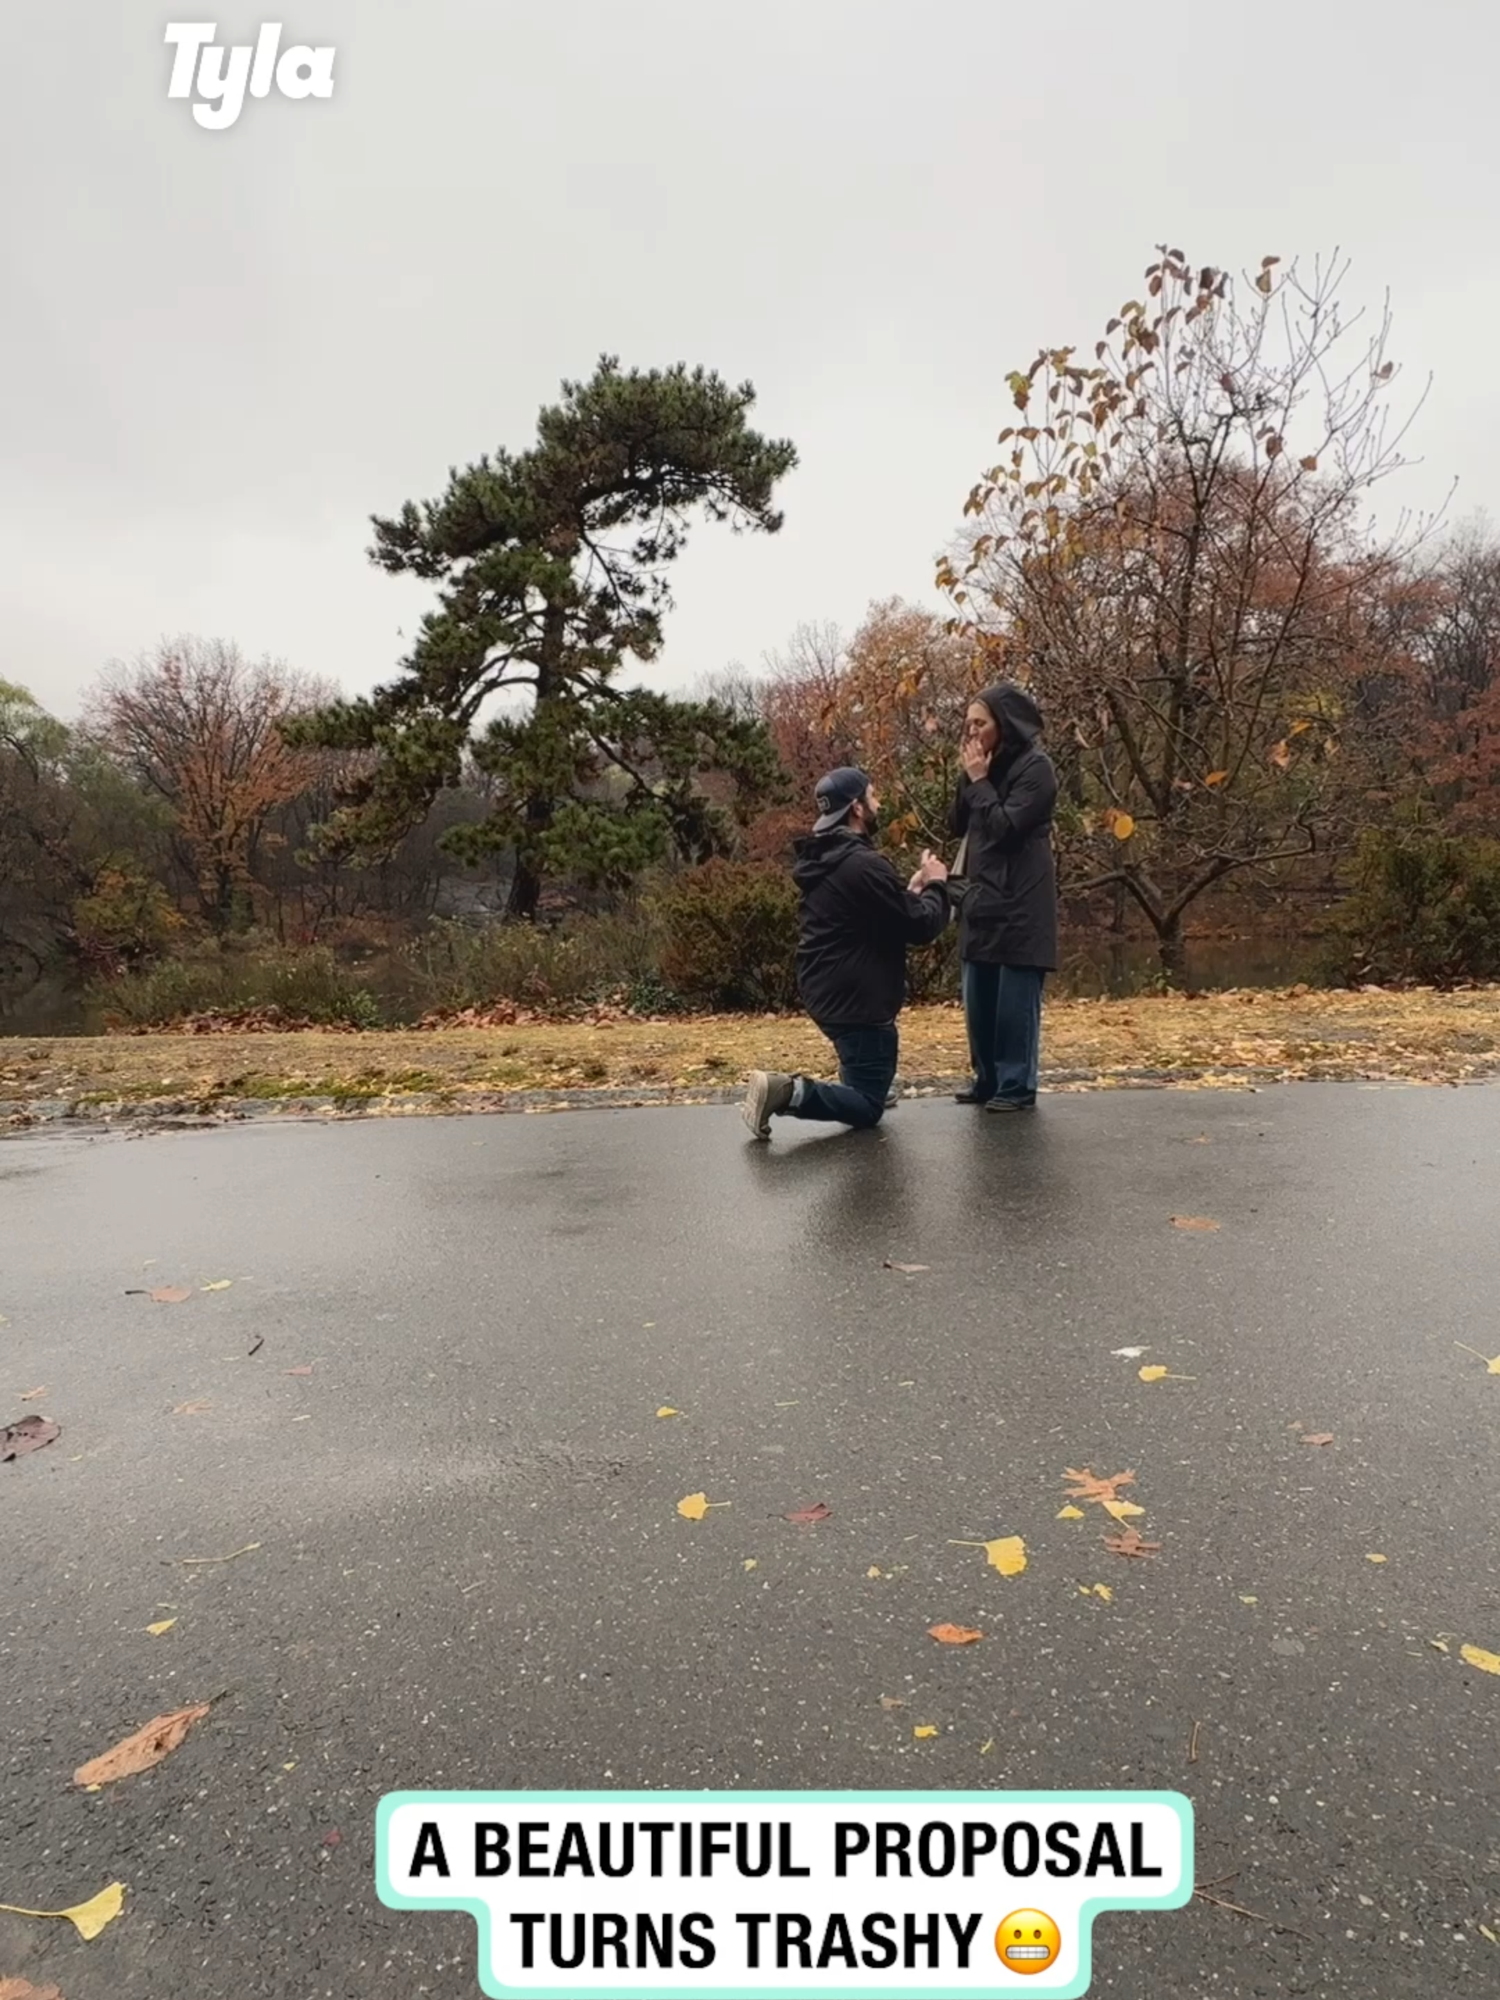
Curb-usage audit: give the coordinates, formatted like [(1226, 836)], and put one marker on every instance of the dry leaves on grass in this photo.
[(953, 1635), (27, 1434), (89, 1918), (1007, 1553), (807, 1517), (1128, 1543), (142, 1751)]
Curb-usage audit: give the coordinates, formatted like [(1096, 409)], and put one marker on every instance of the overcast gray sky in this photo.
[(220, 352)]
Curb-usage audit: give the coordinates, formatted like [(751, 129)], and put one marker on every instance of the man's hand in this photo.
[(932, 870), (976, 762)]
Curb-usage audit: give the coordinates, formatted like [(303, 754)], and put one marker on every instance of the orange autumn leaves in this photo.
[(141, 1751)]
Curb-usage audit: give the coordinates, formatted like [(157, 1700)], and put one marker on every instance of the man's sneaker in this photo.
[(768, 1094), (1011, 1104)]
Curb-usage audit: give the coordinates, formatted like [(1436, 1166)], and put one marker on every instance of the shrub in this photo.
[(294, 987), (1425, 910), (455, 965), (730, 936)]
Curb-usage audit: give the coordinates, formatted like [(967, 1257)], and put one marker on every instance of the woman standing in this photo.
[(1008, 915)]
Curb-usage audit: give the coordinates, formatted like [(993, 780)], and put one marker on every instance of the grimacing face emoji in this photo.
[(1027, 1941)]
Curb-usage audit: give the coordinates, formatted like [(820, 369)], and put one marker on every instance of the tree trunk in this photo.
[(1172, 947), (525, 893)]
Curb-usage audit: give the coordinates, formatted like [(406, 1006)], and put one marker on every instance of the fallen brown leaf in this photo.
[(1318, 1437), (1128, 1543), (805, 1517), (27, 1434), (22, 1989), (910, 1270), (140, 1752), (1199, 1222), (890, 1701), (171, 1295), (31, 1395), (953, 1635), (1089, 1486), (299, 1371)]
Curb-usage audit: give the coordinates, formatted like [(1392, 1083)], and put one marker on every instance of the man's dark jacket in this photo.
[(1009, 914), (857, 921)]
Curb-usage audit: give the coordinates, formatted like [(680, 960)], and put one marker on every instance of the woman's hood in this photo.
[(1017, 714)]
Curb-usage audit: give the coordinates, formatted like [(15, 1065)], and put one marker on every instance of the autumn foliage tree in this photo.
[(891, 700), (1173, 551), (201, 727)]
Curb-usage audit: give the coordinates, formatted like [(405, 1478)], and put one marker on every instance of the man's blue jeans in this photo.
[(867, 1069), (1003, 1010)]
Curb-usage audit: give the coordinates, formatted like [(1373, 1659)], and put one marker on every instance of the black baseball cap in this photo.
[(836, 793)]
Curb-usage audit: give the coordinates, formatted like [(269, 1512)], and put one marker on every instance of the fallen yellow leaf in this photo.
[(1485, 1931), (986, 1748), (147, 1747), (1122, 1510), (666, 1410), (750, 1562), (924, 1729), (1152, 1373), (1071, 1514), (89, 1918), (1493, 1367), (693, 1507), (1438, 1645), (1097, 1590), (1007, 1553), (1374, 1559), (872, 1570), (1249, 1600), (1476, 1656), (218, 1285), (162, 1625)]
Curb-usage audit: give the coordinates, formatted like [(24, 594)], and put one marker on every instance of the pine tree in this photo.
[(551, 567)]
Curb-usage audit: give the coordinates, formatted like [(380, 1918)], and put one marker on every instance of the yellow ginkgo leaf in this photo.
[(89, 1918), (694, 1507), (1007, 1553), (1122, 1509), (1153, 1372), (1476, 1656), (162, 1625), (666, 1410), (1103, 1590), (1374, 1559), (1492, 1367), (750, 1562), (218, 1285), (924, 1729), (1249, 1600), (1071, 1514)]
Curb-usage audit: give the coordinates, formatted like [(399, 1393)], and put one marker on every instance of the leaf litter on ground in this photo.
[(27, 1434), (954, 1635), (807, 1517), (144, 1749), (89, 1918), (1088, 1485), (1007, 1553), (1128, 1543)]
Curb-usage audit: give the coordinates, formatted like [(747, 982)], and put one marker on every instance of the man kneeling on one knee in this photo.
[(856, 922)]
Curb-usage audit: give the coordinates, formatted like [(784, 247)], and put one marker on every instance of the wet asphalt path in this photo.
[(472, 1573)]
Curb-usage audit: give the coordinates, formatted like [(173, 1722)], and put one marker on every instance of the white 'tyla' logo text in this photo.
[(223, 75)]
